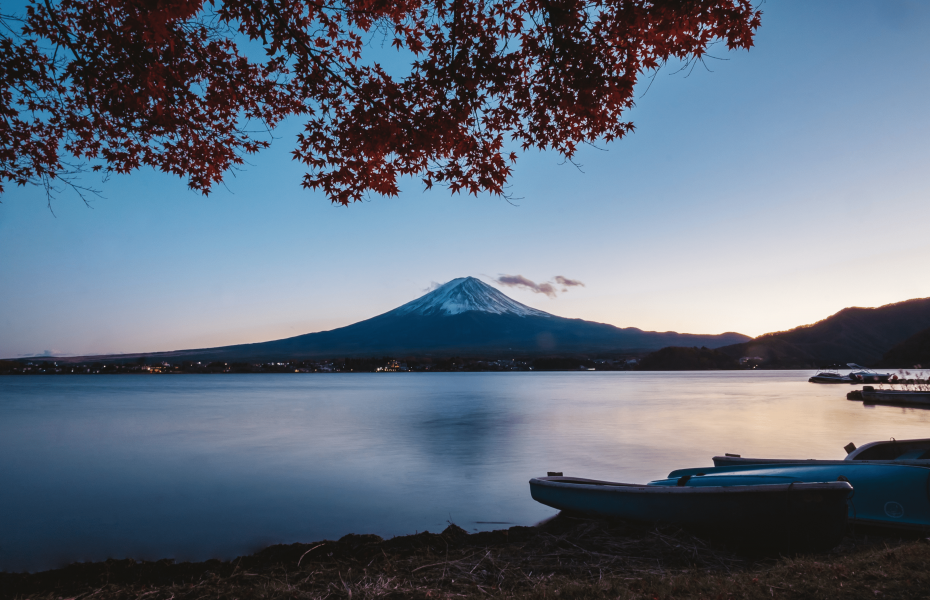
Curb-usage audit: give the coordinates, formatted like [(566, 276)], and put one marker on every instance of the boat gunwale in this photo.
[(741, 461), (636, 488)]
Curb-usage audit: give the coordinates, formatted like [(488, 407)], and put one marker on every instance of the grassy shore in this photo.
[(563, 559)]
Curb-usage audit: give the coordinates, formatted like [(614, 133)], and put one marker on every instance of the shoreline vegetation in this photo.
[(113, 365), (381, 364), (564, 558)]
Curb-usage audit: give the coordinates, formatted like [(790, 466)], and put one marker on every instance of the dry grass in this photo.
[(564, 559)]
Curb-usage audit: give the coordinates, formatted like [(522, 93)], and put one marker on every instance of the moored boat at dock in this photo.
[(862, 374), (858, 374), (831, 376)]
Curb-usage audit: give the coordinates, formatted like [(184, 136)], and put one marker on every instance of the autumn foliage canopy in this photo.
[(191, 87)]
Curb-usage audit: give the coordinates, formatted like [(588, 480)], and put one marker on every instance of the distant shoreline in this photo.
[(112, 371), (384, 364), (671, 359)]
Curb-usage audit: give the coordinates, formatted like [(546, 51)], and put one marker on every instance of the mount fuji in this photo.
[(464, 317)]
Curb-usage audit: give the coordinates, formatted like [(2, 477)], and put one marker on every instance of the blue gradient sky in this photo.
[(790, 182)]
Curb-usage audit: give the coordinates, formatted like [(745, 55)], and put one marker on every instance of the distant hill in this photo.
[(464, 317), (858, 335), (676, 358), (910, 353)]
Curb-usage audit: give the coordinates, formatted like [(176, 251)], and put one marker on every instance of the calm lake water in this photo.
[(199, 466)]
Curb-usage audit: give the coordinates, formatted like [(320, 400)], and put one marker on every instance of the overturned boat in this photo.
[(914, 452), (768, 511)]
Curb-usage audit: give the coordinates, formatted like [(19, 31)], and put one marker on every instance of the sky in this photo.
[(771, 190)]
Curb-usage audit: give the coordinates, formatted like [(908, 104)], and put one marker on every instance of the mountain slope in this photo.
[(677, 358), (859, 335), (464, 317), (913, 351)]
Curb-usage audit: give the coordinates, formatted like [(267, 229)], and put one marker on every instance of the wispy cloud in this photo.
[(432, 286), (547, 287), (566, 283), (519, 281)]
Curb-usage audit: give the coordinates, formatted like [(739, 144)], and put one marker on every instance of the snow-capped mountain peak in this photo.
[(466, 294)]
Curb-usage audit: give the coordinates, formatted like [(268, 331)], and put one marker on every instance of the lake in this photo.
[(214, 466)]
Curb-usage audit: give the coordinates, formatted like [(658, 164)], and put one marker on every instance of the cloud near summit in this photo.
[(548, 288), (566, 283)]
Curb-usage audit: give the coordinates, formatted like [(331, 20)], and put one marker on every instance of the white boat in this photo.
[(831, 376)]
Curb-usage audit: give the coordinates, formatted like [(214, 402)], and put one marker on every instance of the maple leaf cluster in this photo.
[(171, 84)]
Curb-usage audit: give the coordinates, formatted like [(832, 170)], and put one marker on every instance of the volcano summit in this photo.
[(463, 295), (464, 317)]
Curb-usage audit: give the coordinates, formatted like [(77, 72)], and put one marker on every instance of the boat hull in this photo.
[(783, 516), (829, 379), (914, 452), (871, 377), (864, 375)]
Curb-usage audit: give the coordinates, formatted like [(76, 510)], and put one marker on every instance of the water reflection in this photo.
[(462, 430), (903, 407), (193, 467)]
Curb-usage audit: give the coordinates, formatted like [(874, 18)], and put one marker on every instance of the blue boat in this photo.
[(897, 452), (885, 495), (767, 511)]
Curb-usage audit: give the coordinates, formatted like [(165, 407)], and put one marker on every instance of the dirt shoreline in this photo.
[(565, 558)]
